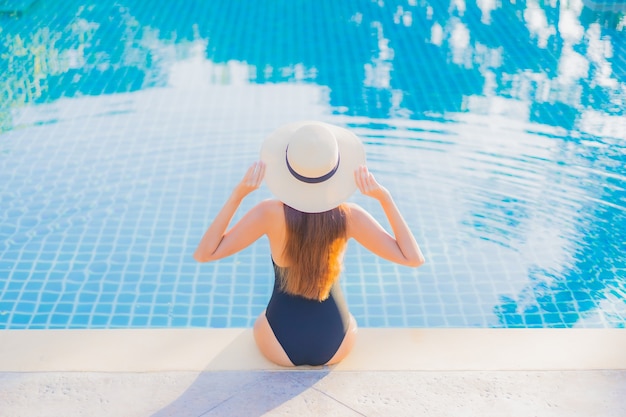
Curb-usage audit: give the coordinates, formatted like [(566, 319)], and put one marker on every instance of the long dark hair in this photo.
[(315, 242)]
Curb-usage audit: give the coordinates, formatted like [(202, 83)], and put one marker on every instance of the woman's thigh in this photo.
[(347, 344), (268, 344)]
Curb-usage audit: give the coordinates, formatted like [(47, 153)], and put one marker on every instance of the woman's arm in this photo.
[(216, 242), (401, 247)]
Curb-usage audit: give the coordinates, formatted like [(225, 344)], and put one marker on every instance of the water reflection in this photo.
[(391, 60), (512, 113)]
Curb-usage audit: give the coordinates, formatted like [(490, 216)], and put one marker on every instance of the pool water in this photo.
[(500, 128)]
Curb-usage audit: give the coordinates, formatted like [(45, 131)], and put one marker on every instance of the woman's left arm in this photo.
[(217, 243)]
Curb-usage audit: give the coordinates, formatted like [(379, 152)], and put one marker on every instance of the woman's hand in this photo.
[(216, 242), (401, 247), (251, 181), (368, 185)]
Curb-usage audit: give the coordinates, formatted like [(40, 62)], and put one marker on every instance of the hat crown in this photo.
[(310, 164), (313, 151)]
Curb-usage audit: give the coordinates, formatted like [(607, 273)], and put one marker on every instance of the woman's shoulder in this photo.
[(353, 209), (273, 218), (270, 207), (271, 204), (357, 218)]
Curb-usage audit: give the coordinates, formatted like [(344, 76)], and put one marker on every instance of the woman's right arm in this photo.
[(401, 247), (217, 242)]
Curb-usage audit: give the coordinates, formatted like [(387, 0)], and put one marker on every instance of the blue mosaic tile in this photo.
[(111, 167)]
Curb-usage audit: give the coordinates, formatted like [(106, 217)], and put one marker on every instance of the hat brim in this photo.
[(311, 198)]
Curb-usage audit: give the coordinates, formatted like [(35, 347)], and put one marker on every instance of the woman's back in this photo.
[(313, 167), (310, 331), (313, 250)]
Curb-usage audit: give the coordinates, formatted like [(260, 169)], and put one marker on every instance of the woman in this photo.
[(312, 168)]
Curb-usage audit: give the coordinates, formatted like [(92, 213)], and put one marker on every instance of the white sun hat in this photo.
[(310, 165)]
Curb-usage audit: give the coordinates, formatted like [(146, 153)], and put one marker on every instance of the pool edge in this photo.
[(388, 349)]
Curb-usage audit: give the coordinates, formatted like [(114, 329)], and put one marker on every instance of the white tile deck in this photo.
[(398, 372), (315, 393)]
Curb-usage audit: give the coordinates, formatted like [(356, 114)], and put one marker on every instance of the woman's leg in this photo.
[(346, 345), (267, 342)]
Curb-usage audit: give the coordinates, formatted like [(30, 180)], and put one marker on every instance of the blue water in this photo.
[(499, 127)]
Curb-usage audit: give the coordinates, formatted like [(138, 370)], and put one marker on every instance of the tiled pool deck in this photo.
[(399, 372)]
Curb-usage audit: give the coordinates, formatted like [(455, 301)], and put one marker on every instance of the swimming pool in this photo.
[(500, 129)]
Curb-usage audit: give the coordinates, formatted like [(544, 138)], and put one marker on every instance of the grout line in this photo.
[(338, 401)]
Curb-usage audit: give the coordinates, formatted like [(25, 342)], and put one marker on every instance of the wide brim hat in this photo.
[(310, 165)]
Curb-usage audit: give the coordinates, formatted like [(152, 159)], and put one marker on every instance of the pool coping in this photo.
[(388, 349)]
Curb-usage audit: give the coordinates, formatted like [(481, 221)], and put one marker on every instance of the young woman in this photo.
[(312, 168)]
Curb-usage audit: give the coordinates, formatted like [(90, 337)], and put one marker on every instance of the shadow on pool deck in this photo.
[(240, 393)]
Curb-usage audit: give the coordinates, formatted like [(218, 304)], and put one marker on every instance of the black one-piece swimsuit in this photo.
[(309, 331)]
